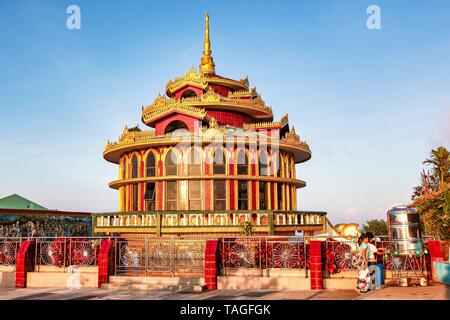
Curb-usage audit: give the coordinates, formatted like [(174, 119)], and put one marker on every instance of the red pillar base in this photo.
[(315, 263), (24, 263), (104, 263), (211, 265)]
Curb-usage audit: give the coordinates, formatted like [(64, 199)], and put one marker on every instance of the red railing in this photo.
[(146, 255)]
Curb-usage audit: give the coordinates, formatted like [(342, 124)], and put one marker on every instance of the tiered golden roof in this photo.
[(255, 106), (239, 99)]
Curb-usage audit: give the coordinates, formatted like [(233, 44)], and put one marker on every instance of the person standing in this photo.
[(363, 281), (374, 252)]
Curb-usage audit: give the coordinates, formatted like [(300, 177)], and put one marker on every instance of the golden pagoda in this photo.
[(213, 160)]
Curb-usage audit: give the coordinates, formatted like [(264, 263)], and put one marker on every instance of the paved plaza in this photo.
[(432, 292)]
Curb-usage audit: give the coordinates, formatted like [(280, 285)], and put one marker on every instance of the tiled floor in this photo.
[(435, 292)]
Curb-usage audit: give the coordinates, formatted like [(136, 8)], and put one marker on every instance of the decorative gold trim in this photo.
[(144, 139), (241, 85), (239, 94), (163, 105), (191, 77), (298, 228), (262, 125), (194, 106), (294, 182)]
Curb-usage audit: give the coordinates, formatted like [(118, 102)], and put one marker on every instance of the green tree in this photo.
[(434, 213), (440, 162), (377, 226), (432, 197)]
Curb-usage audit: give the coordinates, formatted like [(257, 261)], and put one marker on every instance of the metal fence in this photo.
[(8, 251), (263, 253), (343, 255), (65, 251), (147, 255), (155, 255)]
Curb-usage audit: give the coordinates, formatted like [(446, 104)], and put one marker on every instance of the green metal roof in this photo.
[(15, 201)]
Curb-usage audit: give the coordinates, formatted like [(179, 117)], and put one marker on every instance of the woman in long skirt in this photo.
[(363, 281)]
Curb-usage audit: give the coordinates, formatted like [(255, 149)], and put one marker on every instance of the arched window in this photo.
[(194, 163), (171, 163), (188, 93), (263, 164), (150, 165), (134, 167), (219, 162), (242, 163), (175, 125)]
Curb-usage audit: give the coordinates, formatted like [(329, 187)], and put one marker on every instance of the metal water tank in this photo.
[(404, 229)]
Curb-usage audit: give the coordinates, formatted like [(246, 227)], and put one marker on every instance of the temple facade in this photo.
[(214, 161)]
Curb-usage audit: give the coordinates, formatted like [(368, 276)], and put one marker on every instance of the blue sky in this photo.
[(371, 103)]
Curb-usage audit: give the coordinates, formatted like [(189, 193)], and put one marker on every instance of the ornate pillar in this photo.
[(287, 192)]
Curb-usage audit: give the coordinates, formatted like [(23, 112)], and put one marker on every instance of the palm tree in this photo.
[(440, 160)]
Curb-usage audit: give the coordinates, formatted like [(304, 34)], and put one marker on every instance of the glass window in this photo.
[(242, 195), (242, 165), (150, 197), (219, 195), (219, 162), (262, 195), (195, 163), (182, 194), (134, 197), (134, 167), (280, 196), (278, 165), (263, 164), (171, 195), (195, 195), (171, 164), (151, 165)]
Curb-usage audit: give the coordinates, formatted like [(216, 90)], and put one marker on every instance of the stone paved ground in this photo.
[(434, 292), (392, 292)]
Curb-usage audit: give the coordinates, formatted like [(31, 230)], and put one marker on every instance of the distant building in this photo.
[(15, 201), (20, 217)]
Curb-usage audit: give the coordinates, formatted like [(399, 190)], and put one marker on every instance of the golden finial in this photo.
[(207, 63)]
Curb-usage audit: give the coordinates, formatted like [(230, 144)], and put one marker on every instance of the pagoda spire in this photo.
[(207, 65)]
